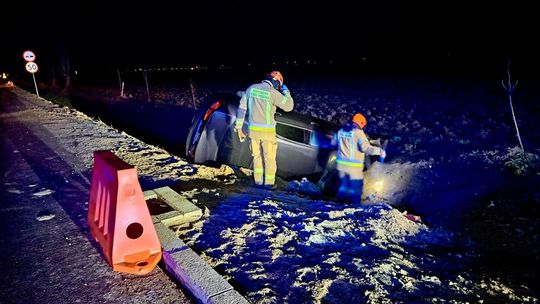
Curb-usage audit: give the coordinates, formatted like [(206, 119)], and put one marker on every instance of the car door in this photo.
[(295, 157)]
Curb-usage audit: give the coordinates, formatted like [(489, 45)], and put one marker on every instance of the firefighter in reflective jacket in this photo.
[(259, 102), (353, 145)]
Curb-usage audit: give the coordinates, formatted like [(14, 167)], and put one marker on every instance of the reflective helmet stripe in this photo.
[(276, 75)]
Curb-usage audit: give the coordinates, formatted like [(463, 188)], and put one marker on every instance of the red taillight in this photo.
[(211, 110)]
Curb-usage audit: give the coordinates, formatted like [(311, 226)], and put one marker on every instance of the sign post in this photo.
[(31, 66)]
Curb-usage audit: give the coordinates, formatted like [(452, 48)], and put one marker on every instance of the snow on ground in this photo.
[(287, 247), (280, 247), (81, 135)]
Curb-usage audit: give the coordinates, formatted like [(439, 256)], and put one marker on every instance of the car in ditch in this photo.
[(305, 144)]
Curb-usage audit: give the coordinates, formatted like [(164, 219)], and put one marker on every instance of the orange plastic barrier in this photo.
[(118, 216)]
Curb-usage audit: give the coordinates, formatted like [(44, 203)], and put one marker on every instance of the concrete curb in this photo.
[(193, 273), (184, 210), (186, 266)]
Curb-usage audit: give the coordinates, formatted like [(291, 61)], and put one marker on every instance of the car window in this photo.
[(308, 137), (290, 132), (321, 140)]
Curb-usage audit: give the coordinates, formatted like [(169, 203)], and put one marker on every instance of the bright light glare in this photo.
[(378, 186)]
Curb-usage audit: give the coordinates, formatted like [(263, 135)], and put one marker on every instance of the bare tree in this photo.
[(121, 84), (54, 80), (64, 61), (510, 87), (193, 88), (145, 75)]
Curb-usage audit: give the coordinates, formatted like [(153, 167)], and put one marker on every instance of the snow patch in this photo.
[(43, 193)]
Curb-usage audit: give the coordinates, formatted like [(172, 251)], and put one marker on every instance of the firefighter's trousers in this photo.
[(351, 183), (263, 150)]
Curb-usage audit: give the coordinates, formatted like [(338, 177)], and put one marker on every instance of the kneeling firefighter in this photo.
[(353, 145), (259, 102)]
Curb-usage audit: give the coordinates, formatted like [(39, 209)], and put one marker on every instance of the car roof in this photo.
[(291, 118)]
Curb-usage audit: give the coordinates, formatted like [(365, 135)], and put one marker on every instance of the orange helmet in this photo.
[(275, 75), (360, 120)]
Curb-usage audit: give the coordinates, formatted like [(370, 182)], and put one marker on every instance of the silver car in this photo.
[(305, 143)]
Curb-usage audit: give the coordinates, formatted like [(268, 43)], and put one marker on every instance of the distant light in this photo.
[(378, 186), (76, 72), (4, 76), (192, 68)]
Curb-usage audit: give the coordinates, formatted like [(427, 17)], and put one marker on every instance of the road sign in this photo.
[(29, 56), (31, 67)]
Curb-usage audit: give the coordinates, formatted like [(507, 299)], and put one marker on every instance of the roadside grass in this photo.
[(61, 100)]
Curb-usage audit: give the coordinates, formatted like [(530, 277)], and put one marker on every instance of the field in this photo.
[(452, 160)]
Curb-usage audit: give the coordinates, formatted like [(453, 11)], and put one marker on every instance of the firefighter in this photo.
[(259, 102), (353, 145)]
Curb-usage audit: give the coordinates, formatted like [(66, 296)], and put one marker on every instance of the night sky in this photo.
[(104, 34)]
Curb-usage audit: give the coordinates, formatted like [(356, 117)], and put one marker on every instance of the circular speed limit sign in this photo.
[(31, 67), (29, 56)]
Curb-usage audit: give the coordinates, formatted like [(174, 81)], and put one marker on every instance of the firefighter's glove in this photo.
[(284, 89), (382, 156), (240, 133)]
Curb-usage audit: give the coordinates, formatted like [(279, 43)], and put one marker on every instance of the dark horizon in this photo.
[(390, 36)]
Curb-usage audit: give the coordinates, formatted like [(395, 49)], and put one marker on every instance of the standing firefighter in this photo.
[(260, 102), (353, 145)]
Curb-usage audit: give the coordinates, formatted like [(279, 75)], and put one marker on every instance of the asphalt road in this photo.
[(46, 259)]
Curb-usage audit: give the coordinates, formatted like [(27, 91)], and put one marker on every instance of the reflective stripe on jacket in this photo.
[(260, 102)]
